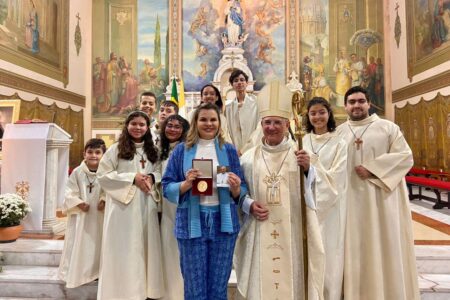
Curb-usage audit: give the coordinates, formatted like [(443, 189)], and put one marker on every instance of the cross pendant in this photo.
[(358, 143), (142, 161), (90, 186)]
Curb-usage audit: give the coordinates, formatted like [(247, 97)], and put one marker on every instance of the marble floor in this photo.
[(30, 267)]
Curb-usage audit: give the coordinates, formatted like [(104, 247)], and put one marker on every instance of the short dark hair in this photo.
[(172, 104), (354, 90), (236, 73), (151, 94), (331, 124), (95, 144), (218, 102)]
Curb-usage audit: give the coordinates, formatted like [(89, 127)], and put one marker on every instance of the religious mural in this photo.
[(341, 46), (129, 54), (209, 27), (33, 34)]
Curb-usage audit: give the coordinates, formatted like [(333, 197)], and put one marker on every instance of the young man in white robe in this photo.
[(147, 104), (166, 109), (242, 112), (379, 250), (84, 203), (269, 252)]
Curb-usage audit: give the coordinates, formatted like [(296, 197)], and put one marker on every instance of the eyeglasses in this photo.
[(174, 127), (354, 101)]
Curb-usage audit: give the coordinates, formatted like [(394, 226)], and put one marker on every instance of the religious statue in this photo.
[(233, 37)]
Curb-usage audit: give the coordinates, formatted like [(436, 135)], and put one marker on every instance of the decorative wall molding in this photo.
[(419, 88), (25, 84)]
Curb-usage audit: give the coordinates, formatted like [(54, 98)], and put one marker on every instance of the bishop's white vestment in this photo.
[(268, 255), (242, 121), (80, 258), (379, 250), (131, 265), (328, 158)]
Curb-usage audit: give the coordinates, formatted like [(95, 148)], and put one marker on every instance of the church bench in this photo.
[(436, 185), (430, 173)]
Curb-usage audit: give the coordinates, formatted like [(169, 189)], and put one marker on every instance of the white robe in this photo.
[(379, 251), (328, 191), (241, 121), (171, 256), (131, 265), (80, 258), (247, 259)]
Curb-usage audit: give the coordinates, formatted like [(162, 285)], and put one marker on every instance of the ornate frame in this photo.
[(58, 72), (15, 105), (415, 65)]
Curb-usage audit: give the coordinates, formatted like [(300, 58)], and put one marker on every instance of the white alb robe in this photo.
[(131, 265), (328, 192), (379, 251), (80, 260), (241, 121), (173, 279), (248, 261)]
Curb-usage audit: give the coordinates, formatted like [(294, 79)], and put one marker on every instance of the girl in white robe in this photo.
[(173, 131), (84, 204), (131, 265), (326, 156)]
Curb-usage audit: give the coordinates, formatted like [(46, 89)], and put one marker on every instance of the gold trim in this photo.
[(58, 72), (419, 88), (23, 83), (416, 66), (15, 104)]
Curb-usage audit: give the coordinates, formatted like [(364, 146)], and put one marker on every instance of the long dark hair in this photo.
[(219, 101), (331, 124), (126, 146), (165, 143)]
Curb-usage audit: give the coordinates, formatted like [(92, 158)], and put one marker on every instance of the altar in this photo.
[(35, 166)]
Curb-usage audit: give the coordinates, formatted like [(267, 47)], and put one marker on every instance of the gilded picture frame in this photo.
[(35, 36), (9, 113), (427, 45)]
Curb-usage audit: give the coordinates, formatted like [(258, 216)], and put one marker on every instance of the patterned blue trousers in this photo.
[(206, 261)]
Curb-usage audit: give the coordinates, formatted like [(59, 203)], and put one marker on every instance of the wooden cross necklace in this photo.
[(91, 183), (358, 140), (142, 161)]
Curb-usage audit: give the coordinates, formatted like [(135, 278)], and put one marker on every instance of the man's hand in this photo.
[(259, 211), (101, 205), (235, 184), (362, 172), (83, 206), (303, 159)]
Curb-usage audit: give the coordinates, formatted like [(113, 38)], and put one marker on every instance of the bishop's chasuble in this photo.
[(328, 158), (379, 251), (80, 260), (242, 121), (268, 255), (131, 265)]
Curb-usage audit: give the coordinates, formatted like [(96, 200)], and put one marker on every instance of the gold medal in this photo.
[(202, 186)]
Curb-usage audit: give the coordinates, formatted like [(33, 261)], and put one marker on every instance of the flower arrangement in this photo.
[(12, 210)]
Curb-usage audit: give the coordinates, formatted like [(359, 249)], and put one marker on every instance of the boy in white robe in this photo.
[(84, 204)]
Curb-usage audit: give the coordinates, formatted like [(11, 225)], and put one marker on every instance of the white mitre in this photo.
[(275, 100)]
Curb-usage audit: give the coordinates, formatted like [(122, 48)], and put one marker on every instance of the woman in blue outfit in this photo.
[(206, 227)]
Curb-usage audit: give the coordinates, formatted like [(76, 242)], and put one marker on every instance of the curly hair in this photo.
[(193, 136), (165, 143), (331, 124), (126, 146)]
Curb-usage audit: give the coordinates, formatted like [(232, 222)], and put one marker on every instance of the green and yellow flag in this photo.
[(174, 95)]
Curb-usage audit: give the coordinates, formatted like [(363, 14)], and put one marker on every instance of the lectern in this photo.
[(35, 165)]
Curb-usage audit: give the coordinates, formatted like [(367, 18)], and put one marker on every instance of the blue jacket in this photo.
[(188, 212)]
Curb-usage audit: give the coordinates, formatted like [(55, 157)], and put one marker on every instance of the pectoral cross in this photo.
[(142, 161), (90, 186), (275, 234), (276, 285), (358, 143)]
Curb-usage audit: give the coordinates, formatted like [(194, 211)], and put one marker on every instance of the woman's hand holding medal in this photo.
[(235, 184)]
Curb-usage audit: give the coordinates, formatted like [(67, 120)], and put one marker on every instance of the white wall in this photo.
[(79, 66)]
